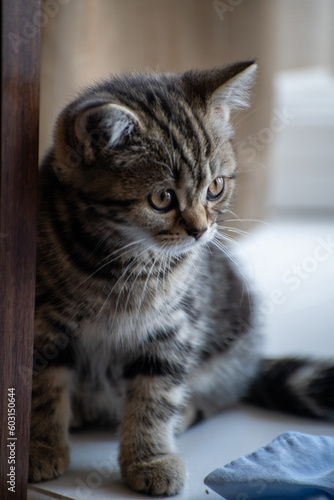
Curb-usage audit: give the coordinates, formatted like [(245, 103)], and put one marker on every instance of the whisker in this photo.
[(218, 244), (111, 260), (142, 296), (121, 277), (236, 230), (227, 238), (257, 221)]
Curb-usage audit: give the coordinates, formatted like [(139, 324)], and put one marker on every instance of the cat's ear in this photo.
[(222, 90), (232, 95), (103, 127)]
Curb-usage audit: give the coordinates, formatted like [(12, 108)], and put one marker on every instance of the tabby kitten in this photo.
[(142, 322)]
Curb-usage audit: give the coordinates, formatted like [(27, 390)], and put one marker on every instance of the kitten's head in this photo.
[(153, 154)]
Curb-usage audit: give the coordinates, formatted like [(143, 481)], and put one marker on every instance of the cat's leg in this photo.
[(155, 395), (147, 458), (49, 449)]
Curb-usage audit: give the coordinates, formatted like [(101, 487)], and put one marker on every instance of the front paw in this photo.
[(47, 462), (162, 475)]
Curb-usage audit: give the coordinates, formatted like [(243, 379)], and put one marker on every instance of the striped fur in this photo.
[(142, 322)]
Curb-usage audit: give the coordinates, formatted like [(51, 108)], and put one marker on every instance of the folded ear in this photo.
[(222, 90), (103, 127)]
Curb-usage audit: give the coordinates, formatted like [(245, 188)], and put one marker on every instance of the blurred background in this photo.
[(285, 143)]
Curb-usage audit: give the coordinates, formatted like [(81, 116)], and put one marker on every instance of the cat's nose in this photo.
[(196, 233)]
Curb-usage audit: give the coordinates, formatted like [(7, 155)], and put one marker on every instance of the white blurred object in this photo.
[(302, 161), (290, 262)]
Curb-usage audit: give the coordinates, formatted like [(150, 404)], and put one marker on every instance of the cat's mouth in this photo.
[(175, 245)]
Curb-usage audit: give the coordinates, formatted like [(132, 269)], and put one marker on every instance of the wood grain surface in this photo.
[(19, 152)]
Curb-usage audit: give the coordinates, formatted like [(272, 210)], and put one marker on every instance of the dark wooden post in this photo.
[(20, 20)]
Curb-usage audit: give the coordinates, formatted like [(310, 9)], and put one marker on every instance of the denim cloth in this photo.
[(294, 465)]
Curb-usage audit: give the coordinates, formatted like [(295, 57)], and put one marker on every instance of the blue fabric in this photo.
[(294, 465)]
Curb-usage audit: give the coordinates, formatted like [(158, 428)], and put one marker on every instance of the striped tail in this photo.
[(295, 385)]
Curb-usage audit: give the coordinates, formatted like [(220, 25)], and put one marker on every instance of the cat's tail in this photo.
[(296, 385)]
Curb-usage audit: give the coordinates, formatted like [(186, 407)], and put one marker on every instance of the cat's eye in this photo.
[(163, 201), (216, 188)]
